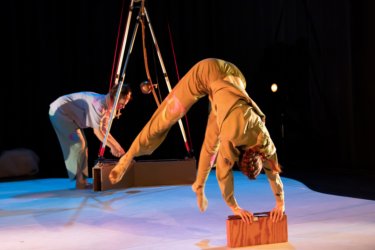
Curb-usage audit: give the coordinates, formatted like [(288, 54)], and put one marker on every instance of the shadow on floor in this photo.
[(76, 193)]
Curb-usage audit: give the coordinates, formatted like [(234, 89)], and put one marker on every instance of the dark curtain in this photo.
[(363, 87), (317, 51)]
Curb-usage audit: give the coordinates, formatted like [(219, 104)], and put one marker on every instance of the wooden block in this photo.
[(165, 172), (146, 173), (262, 231)]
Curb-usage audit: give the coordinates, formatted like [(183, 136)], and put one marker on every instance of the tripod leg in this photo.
[(121, 56), (124, 41), (166, 78), (121, 82)]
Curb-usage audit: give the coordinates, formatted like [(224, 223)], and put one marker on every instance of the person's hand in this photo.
[(278, 212), (245, 215), (122, 151), (115, 152)]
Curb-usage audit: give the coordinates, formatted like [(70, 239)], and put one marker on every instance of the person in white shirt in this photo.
[(70, 114)]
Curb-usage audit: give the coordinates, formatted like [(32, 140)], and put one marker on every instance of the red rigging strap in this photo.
[(174, 55), (118, 35), (178, 77)]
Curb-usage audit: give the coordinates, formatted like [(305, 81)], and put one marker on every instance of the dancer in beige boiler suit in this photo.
[(235, 132)]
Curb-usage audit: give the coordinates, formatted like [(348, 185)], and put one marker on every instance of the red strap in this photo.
[(178, 77), (174, 56), (118, 35)]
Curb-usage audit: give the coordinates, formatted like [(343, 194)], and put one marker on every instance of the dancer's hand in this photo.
[(278, 212), (201, 197), (247, 216)]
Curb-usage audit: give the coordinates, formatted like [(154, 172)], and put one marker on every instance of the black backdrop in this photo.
[(318, 51)]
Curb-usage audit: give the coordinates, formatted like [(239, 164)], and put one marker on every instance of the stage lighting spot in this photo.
[(274, 87)]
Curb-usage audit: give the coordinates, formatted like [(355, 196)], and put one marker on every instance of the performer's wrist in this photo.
[(234, 207), (280, 204)]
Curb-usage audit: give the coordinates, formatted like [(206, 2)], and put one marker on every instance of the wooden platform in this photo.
[(146, 173), (261, 232)]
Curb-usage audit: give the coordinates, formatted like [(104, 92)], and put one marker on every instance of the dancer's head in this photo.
[(251, 163), (125, 95)]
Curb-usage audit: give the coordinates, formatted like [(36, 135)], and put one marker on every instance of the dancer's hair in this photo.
[(125, 90), (251, 163)]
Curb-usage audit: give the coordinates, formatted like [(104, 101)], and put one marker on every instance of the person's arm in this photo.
[(115, 147), (112, 140), (277, 189), (224, 174)]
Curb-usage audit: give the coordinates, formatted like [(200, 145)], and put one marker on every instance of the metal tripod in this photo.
[(141, 19)]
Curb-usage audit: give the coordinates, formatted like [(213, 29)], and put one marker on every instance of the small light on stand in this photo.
[(274, 87), (146, 87)]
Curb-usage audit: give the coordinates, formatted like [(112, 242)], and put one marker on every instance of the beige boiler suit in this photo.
[(235, 122)]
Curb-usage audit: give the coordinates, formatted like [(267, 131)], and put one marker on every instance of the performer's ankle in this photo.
[(197, 187)]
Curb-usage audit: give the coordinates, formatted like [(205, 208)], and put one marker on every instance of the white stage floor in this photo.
[(51, 214)]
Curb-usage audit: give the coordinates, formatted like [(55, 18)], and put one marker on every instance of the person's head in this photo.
[(251, 163), (125, 95)]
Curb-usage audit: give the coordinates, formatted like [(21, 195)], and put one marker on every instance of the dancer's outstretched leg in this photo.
[(175, 106), (193, 86)]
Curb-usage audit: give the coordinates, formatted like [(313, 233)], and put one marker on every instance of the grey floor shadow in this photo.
[(74, 193)]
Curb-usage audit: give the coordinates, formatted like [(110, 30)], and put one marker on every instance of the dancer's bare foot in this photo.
[(84, 185), (118, 172), (201, 197)]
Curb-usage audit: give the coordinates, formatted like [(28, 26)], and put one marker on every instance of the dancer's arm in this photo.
[(224, 174), (206, 160), (209, 150), (277, 188)]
